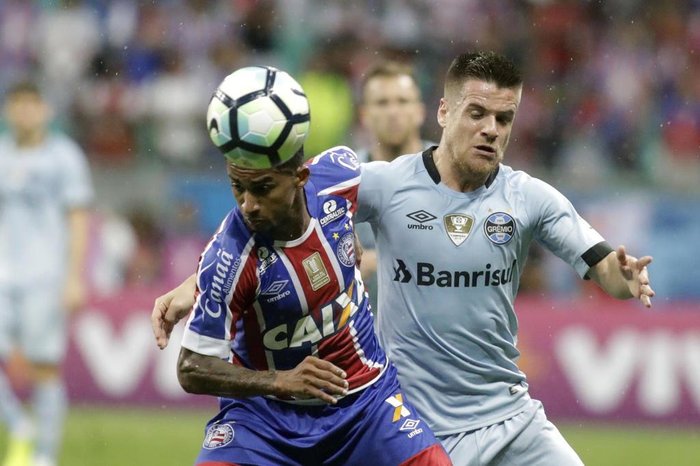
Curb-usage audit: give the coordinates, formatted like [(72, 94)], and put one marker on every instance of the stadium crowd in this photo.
[(612, 97)]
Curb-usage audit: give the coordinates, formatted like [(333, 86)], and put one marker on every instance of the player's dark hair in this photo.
[(24, 87), (291, 165), (387, 69), (484, 66)]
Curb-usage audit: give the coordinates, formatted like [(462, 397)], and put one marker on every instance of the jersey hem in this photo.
[(521, 406)]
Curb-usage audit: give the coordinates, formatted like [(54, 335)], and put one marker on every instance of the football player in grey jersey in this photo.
[(453, 226)]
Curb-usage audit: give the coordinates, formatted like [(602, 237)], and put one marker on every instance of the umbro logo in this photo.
[(420, 216), (275, 288)]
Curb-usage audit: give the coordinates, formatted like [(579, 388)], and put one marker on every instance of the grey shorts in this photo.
[(526, 439), (32, 320)]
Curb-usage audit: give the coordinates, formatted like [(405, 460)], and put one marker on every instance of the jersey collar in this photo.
[(435, 174)]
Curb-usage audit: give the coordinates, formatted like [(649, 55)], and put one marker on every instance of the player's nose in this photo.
[(249, 204)]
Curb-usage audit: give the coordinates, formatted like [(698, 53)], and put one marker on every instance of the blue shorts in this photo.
[(375, 426)]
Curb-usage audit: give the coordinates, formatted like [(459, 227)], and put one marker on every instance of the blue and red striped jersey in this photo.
[(266, 305)]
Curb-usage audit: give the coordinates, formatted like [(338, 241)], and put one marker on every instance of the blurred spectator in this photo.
[(613, 101), (146, 263), (66, 40), (327, 85)]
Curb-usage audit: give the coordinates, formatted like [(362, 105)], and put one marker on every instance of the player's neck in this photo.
[(29, 139), (453, 177), (298, 220), (389, 152)]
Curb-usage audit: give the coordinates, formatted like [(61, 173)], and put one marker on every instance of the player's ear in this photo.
[(442, 112), (302, 176)]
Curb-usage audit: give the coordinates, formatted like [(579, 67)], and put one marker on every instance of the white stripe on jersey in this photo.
[(205, 345), (358, 349), (298, 288), (245, 254), (360, 286), (331, 257), (316, 159), (340, 186)]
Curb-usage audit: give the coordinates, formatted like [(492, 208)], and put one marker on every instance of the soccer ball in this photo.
[(258, 117)]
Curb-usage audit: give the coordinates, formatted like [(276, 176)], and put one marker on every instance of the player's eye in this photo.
[(504, 119), (262, 189)]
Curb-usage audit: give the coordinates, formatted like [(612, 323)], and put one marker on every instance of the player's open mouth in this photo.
[(485, 151)]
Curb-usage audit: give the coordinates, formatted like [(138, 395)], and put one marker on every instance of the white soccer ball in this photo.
[(258, 117)]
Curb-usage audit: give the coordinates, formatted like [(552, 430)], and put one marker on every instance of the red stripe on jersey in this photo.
[(256, 351), (349, 193), (434, 455), (340, 350), (241, 307), (298, 257)]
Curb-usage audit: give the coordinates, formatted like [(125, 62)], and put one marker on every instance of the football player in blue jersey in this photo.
[(453, 226), (281, 330)]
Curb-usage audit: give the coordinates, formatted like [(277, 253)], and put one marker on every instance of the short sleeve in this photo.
[(560, 228), (373, 191), (77, 190)]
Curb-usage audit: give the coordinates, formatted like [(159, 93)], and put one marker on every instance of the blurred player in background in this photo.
[(282, 332), (45, 190), (447, 288), (392, 112)]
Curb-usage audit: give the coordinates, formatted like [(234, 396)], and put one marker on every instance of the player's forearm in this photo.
[(77, 241), (209, 375), (609, 277)]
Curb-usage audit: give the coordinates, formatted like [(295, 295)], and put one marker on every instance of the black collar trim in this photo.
[(435, 174), (430, 164)]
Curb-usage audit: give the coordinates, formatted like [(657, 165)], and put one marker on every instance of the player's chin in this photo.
[(259, 226)]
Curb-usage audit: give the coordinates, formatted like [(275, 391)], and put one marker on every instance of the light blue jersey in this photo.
[(37, 187), (449, 269)]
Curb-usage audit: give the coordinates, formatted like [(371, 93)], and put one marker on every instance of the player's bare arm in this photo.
[(170, 308), (312, 378), (623, 276), (74, 293)]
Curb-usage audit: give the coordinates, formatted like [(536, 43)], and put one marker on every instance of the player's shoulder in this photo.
[(61, 145), (337, 165), (232, 235), (534, 191), (398, 170), (6, 143), (522, 180)]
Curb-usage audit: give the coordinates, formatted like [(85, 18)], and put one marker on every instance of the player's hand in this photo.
[(312, 378), (636, 275), (359, 250), (74, 295), (170, 308)]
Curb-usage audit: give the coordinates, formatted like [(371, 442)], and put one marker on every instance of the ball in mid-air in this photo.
[(258, 117)]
